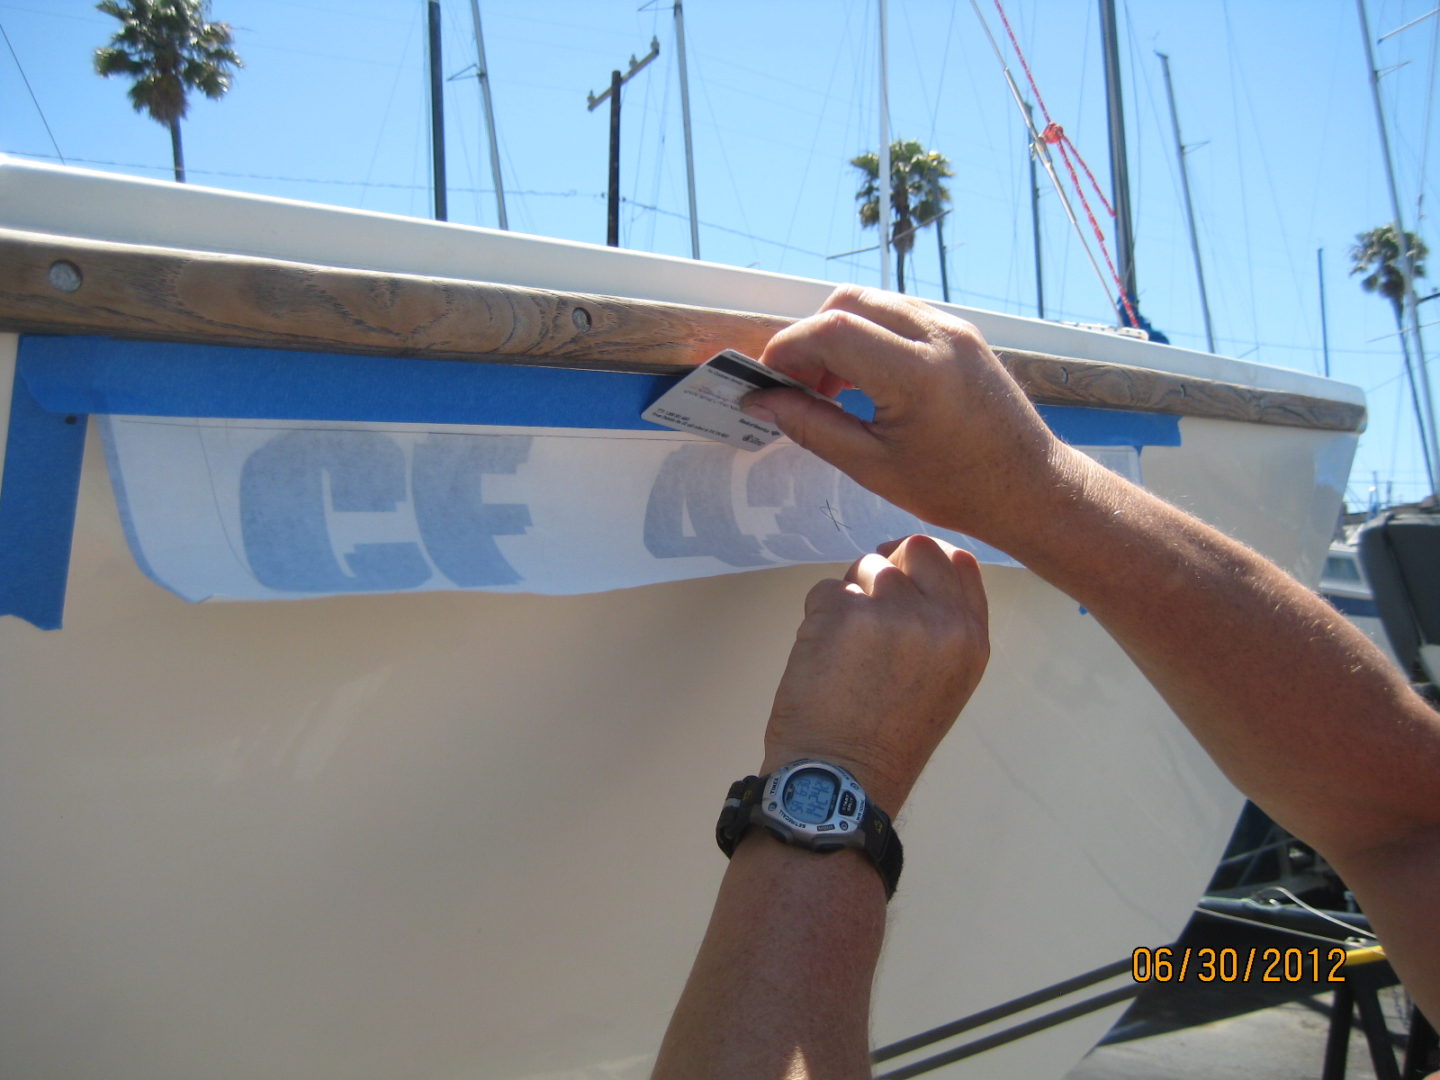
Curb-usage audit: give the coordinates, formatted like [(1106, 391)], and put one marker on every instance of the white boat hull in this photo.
[(469, 834)]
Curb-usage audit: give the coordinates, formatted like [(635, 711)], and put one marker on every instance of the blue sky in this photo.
[(1272, 95)]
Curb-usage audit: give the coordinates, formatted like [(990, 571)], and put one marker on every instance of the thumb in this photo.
[(819, 425)]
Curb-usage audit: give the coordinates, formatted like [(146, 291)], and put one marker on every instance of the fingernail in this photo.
[(759, 412)]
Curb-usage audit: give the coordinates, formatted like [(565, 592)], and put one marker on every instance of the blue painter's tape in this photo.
[(1111, 427), (43, 452), (127, 378), (62, 377)]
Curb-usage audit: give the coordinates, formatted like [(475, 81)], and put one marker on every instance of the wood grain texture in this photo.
[(61, 285)]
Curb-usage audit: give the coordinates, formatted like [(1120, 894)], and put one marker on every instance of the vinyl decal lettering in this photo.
[(782, 480), (270, 510), (693, 485), (302, 487), (708, 500), (456, 523)]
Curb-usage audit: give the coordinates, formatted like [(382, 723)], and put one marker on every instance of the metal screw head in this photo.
[(581, 318), (65, 276)]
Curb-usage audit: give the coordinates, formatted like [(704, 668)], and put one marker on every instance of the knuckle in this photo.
[(832, 323), (961, 332), (919, 545), (824, 594), (848, 293)]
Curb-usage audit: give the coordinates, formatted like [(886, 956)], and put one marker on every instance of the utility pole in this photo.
[(483, 73), (1035, 211), (685, 117), (884, 177), (1428, 439), (1189, 205), (612, 232), (437, 113), (1119, 169)]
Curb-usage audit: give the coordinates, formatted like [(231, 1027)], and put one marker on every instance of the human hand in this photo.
[(882, 665), (954, 440)]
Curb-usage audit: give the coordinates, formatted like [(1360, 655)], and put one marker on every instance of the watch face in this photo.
[(809, 796)]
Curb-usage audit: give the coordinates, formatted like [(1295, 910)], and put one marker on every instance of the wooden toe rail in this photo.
[(61, 285)]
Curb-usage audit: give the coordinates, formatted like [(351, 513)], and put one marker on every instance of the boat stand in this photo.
[(1366, 972)]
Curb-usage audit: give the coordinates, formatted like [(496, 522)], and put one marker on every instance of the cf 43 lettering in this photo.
[(298, 487), (779, 506), (336, 511)]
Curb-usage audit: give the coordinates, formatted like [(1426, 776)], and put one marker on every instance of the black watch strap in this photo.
[(882, 842), (735, 814)]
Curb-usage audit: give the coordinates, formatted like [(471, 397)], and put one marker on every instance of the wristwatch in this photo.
[(814, 805)]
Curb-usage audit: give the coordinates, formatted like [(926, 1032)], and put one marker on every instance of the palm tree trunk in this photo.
[(177, 151), (899, 268)]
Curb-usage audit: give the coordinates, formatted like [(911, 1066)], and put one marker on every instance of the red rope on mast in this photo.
[(1055, 135)]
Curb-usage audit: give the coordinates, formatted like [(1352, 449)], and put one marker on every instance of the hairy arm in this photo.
[(1298, 708), (781, 985), (882, 664)]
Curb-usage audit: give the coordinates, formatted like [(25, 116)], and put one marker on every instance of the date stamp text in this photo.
[(1178, 964)]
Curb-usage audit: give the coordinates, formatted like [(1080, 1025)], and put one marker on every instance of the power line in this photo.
[(334, 182), (724, 229)]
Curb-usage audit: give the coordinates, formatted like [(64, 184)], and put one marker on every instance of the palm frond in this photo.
[(169, 48)]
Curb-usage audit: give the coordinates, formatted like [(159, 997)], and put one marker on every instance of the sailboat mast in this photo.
[(1429, 439), (437, 113), (484, 76), (1035, 213), (1189, 204), (1119, 169), (689, 144), (884, 177), (1324, 318)]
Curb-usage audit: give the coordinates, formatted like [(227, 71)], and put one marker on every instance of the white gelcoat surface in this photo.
[(469, 835), (77, 202)]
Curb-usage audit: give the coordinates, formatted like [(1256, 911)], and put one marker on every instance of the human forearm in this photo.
[(781, 985), (1299, 709), (1270, 679), (881, 666)]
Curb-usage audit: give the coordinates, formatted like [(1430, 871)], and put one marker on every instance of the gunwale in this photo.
[(66, 285)]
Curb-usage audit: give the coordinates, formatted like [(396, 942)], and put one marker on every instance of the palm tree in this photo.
[(1377, 255), (917, 194), (169, 48), (1388, 268)]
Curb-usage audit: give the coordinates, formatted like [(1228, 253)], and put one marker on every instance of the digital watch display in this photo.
[(810, 795), (814, 805)]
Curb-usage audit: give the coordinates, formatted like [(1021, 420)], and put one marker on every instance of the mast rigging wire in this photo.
[(25, 79), (1054, 135)]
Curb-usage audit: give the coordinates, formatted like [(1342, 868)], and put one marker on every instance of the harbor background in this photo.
[(1272, 98)]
